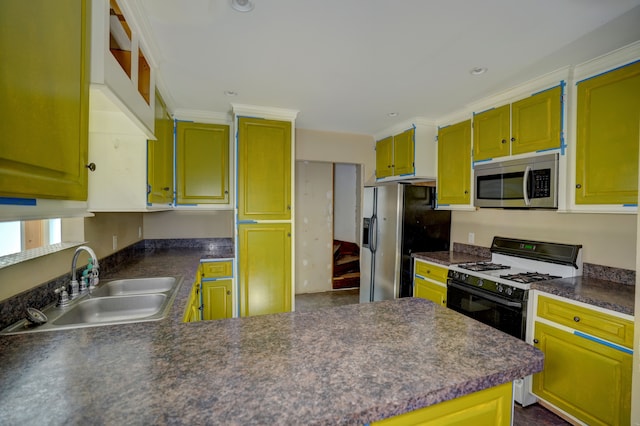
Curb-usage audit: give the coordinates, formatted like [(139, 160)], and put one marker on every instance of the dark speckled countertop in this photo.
[(331, 366)]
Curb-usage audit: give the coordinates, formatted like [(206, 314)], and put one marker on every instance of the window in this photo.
[(29, 234)]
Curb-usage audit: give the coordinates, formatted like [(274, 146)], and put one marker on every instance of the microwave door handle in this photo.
[(525, 186)]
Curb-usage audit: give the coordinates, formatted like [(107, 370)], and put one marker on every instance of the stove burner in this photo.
[(529, 277), (482, 266)]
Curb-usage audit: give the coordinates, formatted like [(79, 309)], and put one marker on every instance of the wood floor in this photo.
[(533, 415)]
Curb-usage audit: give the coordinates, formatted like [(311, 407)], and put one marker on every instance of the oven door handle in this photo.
[(525, 186), (487, 296)]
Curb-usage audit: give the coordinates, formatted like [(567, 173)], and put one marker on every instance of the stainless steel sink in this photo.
[(113, 309), (112, 302), (135, 286)]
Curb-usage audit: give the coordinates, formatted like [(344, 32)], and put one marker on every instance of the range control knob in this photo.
[(480, 282), (509, 291), (455, 274), (500, 288)]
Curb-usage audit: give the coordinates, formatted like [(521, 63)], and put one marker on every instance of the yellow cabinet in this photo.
[(160, 157), (395, 155), (217, 299), (536, 122), (454, 164), (430, 282), (585, 378), (192, 310), (428, 290), (491, 133), (599, 324), (264, 268), (528, 125), (489, 407), (217, 269), (384, 157), (202, 163), (264, 169), (608, 119), (44, 98)]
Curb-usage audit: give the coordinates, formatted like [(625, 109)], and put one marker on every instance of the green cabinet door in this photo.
[(607, 137), (44, 98), (160, 157), (430, 291), (588, 380), (384, 157), (217, 299), (536, 122), (264, 270), (491, 131), (403, 153), (454, 164), (202, 163), (264, 169)]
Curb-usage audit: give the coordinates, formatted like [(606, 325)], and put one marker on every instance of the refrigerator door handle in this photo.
[(373, 234)]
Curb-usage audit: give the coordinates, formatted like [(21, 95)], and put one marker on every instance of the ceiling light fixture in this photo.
[(242, 5), (392, 114), (477, 70), (230, 93)]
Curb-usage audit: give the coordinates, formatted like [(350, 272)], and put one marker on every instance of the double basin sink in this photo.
[(112, 302)]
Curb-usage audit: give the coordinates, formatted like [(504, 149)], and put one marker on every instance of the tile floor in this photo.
[(533, 415)]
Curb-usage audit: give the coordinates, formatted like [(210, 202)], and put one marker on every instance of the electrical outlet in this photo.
[(115, 242), (472, 238)]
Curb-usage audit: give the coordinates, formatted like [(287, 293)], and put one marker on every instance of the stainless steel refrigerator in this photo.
[(398, 220)]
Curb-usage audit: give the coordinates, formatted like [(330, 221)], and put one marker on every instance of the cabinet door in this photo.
[(586, 379), (384, 157), (202, 165), (607, 138), (44, 98), (403, 153), (160, 157), (430, 291), (192, 310), (491, 133), (454, 164), (264, 169), (217, 299), (264, 269), (536, 122)]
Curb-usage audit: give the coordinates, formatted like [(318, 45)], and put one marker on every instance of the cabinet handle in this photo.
[(91, 166), (578, 186), (513, 139), (576, 319), (536, 341), (226, 192), (288, 206), (228, 292), (504, 141), (466, 192), (166, 188)]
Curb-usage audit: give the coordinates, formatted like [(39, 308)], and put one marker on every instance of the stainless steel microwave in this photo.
[(530, 182)]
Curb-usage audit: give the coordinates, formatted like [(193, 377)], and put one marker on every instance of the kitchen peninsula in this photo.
[(348, 365)]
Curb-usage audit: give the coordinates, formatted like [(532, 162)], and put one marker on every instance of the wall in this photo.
[(315, 145), (346, 218), (98, 234), (189, 224), (314, 227), (607, 239)]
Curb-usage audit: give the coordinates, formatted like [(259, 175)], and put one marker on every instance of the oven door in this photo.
[(506, 315)]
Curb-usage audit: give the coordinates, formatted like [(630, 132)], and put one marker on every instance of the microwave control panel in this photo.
[(541, 183)]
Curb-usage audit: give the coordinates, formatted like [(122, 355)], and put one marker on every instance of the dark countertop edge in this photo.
[(447, 258)]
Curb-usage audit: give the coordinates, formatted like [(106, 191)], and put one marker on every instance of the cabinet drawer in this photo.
[(216, 269), (598, 324), (430, 291), (429, 270)]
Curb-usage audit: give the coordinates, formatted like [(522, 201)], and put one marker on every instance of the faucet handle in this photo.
[(63, 296)]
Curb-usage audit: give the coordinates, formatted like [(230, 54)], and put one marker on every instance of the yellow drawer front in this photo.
[(216, 269), (429, 270), (598, 324), (430, 291)]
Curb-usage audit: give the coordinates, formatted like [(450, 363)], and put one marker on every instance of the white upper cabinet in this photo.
[(120, 64)]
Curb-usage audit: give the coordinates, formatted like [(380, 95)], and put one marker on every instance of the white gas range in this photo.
[(496, 292)]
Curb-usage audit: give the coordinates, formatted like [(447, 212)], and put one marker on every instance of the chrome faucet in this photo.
[(75, 289)]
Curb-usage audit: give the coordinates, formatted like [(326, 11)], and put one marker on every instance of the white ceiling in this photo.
[(345, 64)]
